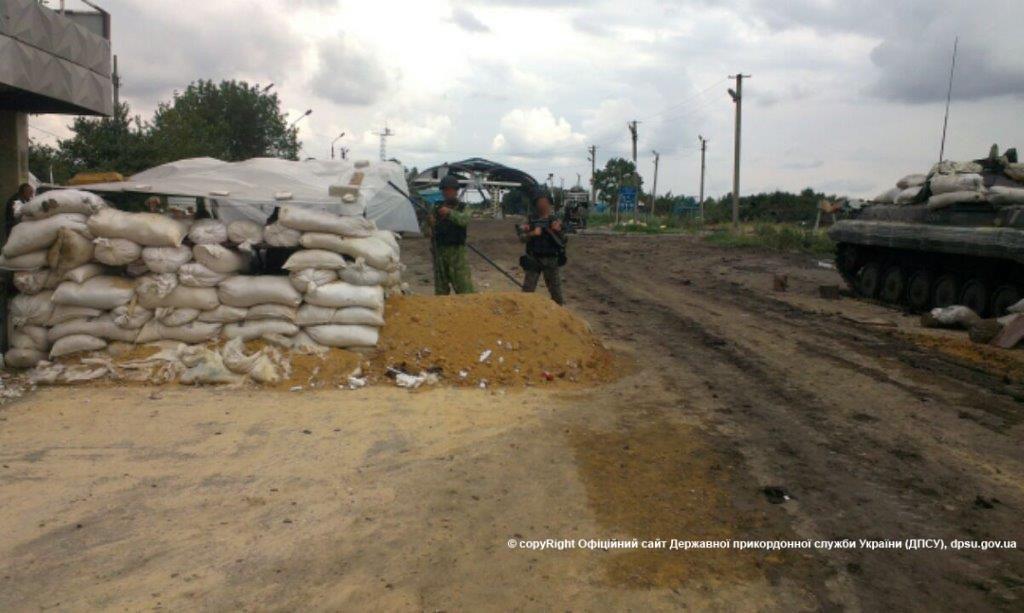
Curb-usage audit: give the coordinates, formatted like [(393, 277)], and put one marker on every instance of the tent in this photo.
[(252, 189)]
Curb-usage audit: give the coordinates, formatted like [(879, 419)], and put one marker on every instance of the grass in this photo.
[(777, 237), (661, 224)]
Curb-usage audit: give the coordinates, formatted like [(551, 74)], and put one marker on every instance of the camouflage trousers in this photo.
[(451, 270), (548, 266)]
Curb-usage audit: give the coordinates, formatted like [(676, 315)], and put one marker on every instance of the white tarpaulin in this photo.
[(254, 188)]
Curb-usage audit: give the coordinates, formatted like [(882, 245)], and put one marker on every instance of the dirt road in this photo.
[(213, 499)]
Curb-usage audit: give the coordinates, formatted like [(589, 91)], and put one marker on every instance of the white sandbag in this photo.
[(32, 281), (58, 201), (948, 167), (374, 250), (302, 343), (390, 238), (888, 197), (255, 329), (103, 327), (116, 251), (1015, 171), (358, 316), (136, 268), (209, 369), (271, 311), (235, 358), (131, 316), (220, 259), (69, 250), (245, 232), (151, 289), (956, 315), (248, 291), (30, 337), (308, 278), (942, 201), (183, 297), (29, 261), (1001, 195), (34, 310), (948, 184), (312, 220), (23, 358), (314, 258), (102, 293), (908, 196), (146, 229), (29, 236), (166, 259), (63, 313), (192, 333), (277, 235), (194, 274), (83, 273), (208, 232), (170, 316), (340, 294), (223, 315), (334, 335), (911, 181), (76, 343), (360, 273), (312, 315)]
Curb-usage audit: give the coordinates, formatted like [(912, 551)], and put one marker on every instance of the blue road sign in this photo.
[(627, 198)]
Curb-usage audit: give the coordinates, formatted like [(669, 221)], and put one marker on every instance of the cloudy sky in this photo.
[(845, 96)]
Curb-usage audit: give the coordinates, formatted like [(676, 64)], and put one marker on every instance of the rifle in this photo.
[(419, 206)]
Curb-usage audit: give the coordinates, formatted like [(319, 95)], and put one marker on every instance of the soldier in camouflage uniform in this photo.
[(545, 248), (448, 224)]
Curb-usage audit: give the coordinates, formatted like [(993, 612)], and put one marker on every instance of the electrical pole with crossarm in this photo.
[(593, 169), (703, 168), (737, 98)]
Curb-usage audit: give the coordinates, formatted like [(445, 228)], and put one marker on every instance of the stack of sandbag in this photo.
[(87, 274)]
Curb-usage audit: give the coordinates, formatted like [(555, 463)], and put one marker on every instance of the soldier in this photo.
[(448, 224), (545, 248)]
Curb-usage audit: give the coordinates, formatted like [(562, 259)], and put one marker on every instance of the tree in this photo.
[(231, 121), (118, 143), (618, 172)]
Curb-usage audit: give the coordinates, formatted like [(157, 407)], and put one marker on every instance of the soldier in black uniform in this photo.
[(545, 248)]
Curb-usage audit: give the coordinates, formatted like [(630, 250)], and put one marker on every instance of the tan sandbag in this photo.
[(63, 313), (131, 316), (59, 201), (116, 251), (948, 184), (340, 294), (29, 236), (170, 316), (256, 329), (311, 220), (358, 316), (1000, 195), (312, 315), (277, 235), (166, 259), (183, 297), (104, 293), (23, 358), (32, 310), (220, 259), (83, 273), (373, 250), (223, 314), (208, 232), (32, 281), (194, 274), (136, 268), (76, 343), (102, 327), (29, 261), (1015, 172), (249, 291), (146, 229), (360, 273), (70, 250), (308, 278), (30, 337), (151, 289), (245, 232), (344, 336), (942, 201), (271, 311), (192, 333), (314, 258)]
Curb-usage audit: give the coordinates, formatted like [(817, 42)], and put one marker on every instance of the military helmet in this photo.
[(449, 182)]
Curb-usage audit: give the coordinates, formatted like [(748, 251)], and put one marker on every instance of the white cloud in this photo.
[(348, 74), (535, 132)]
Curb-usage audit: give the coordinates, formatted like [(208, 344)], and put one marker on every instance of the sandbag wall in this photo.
[(87, 274), (951, 183)]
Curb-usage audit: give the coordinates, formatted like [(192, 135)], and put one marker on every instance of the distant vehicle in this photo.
[(575, 209)]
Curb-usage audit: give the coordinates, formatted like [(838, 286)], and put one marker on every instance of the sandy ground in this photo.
[(132, 498)]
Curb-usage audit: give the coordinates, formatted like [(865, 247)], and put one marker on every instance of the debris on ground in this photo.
[(956, 316), (829, 292), (780, 283)]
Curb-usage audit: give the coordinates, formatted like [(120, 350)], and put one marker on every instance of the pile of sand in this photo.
[(531, 340)]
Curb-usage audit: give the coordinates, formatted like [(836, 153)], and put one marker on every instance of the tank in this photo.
[(918, 256)]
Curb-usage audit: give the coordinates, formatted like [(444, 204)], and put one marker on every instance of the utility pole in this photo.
[(703, 167), (737, 98), (654, 186), (344, 152), (340, 136), (384, 134), (593, 169), (632, 132), (116, 81)]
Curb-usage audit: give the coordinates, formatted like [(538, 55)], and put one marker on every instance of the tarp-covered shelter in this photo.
[(254, 188)]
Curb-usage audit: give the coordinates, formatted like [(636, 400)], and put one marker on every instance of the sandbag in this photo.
[(302, 343), (948, 184), (29, 236), (146, 229), (334, 335), (170, 316), (358, 316), (83, 273), (245, 232), (23, 358), (944, 200), (311, 220), (277, 235), (59, 201), (195, 274), (131, 316), (76, 343), (951, 316), (373, 250), (389, 238), (151, 289), (183, 297), (912, 181), (32, 281), (1001, 195), (136, 268), (361, 274), (340, 294), (271, 311), (312, 315), (69, 250), (223, 315), (255, 329), (116, 251), (314, 258), (166, 259), (30, 337), (208, 232), (888, 196), (308, 278), (908, 196), (63, 313), (948, 167), (248, 291), (31, 310), (209, 369), (235, 359), (220, 259), (103, 327), (192, 333), (1015, 171), (29, 261)]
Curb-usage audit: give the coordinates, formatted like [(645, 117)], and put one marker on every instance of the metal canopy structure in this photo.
[(482, 176)]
